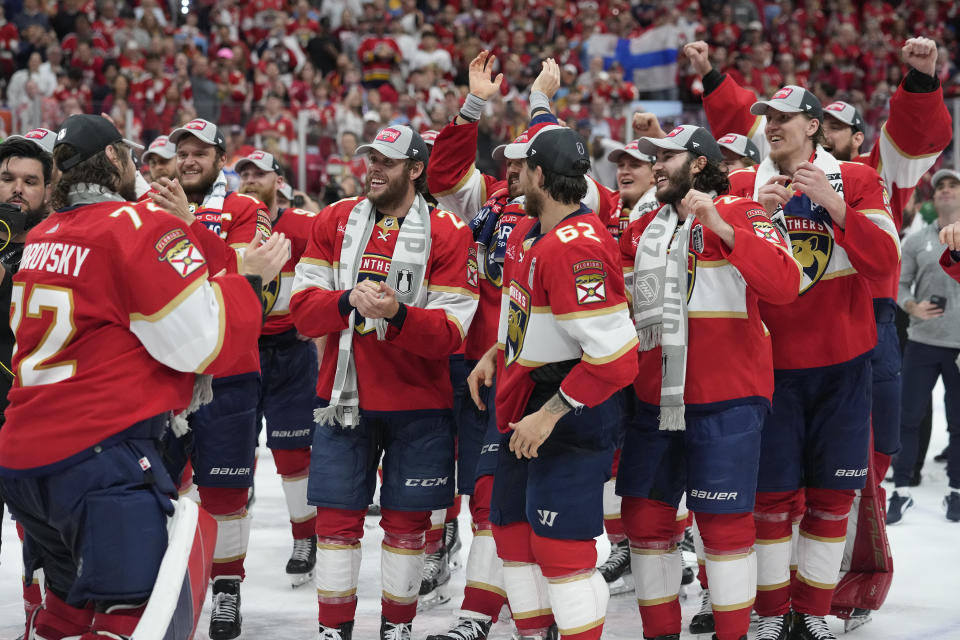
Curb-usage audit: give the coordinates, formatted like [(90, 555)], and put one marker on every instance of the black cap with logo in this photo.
[(560, 150), (88, 135)]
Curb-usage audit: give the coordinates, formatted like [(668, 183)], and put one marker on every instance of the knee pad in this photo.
[(291, 462), (558, 558), (220, 501), (405, 522), (829, 503), (645, 519), (513, 542), (727, 532), (480, 501), (340, 523)]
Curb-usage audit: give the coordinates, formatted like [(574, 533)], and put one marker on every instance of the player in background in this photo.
[(161, 159), (225, 431), (906, 148), (288, 366), (739, 152), (565, 348), (85, 324), (492, 209), (385, 278), (26, 168), (696, 427), (817, 436), (932, 299)]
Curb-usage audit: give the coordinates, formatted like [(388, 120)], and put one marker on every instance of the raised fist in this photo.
[(698, 53), (646, 125), (921, 54)]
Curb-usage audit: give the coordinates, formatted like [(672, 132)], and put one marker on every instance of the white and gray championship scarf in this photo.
[(660, 306), (800, 207), (408, 269), (216, 194)]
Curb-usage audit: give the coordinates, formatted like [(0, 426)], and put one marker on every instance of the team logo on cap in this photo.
[(160, 141), (632, 146), (518, 316), (388, 135), (195, 125), (730, 138), (782, 94), (676, 131), (256, 155), (835, 106), (36, 134)]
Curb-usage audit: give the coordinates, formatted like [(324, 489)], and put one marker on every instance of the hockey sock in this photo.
[(454, 512), (656, 563), (401, 561), (612, 522), (434, 535), (187, 488), (57, 620), (120, 619), (732, 566), (578, 593), (484, 592), (523, 580), (294, 467), (701, 556), (823, 532), (338, 564), (229, 508), (772, 520), (797, 510)]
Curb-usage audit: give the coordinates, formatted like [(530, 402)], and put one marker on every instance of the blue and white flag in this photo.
[(650, 61)]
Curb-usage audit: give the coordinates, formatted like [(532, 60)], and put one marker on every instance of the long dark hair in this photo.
[(96, 170), (712, 178)]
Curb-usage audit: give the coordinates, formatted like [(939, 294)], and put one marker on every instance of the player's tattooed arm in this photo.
[(557, 405)]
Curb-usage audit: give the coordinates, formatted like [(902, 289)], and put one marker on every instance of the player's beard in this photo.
[(533, 204), (844, 153), (678, 184), (128, 184), (395, 191), (513, 184), (33, 217), (267, 197), (197, 192)]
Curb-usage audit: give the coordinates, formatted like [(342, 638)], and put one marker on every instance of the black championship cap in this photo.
[(686, 137), (88, 135), (559, 150)]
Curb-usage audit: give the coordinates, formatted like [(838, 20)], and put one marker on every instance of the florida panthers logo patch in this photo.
[(591, 281), (183, 257), (812, 247), (767, 231), (518, 317), (473, 272)]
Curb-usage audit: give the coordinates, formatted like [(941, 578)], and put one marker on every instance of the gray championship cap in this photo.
[(261, 160), (160, 147), (686, 137), (740, 145), (632, 149), (43, 138), (845, 113), (944, 173), (398, 142), (203, 130), (790, 99)]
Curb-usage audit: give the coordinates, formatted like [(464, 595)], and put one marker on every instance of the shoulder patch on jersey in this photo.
[(765, 229), (473, 270), (757, 213), (167, 238), (590, 280), (263, 223), (182, 256)]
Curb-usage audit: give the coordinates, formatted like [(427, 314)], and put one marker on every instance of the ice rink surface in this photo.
[(924, 601)]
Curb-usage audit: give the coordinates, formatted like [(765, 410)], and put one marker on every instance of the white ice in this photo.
[(922, 603)]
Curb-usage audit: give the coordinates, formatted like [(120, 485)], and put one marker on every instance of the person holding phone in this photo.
[(932, 298)]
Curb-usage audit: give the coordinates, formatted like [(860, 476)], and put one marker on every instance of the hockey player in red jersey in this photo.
[(288, 365), (226, 429), (90, 335), (385, 278), (696, 428), (906, 148), (565, 348), (817, 437)]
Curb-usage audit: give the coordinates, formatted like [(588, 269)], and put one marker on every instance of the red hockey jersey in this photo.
[(409, 370), (952, 268), (908, 145), (112, 309), (563, 299), (296, 224), (832, 320), (724, 288)]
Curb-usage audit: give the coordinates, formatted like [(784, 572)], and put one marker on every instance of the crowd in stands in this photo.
[(355, 66)]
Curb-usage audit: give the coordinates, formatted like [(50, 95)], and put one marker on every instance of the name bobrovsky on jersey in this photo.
[(55, 257)]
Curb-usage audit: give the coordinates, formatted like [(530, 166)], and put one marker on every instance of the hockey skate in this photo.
[(302, 561), (466, 629), (451, 542), (395, 631), (702, 621), (858, 618), (616, 567), (551, 633), (436, 573), (225, 618), (342, 632), (810, 627), (774, 627)]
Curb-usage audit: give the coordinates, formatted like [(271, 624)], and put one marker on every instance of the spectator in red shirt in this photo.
[(273, 131), (379, 55), (347, 162)]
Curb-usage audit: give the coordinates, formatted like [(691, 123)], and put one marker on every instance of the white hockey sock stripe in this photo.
[(733, 579), (526, 589), (579, 601), (794, 541), (819, 560), (682, 511), (400, 572), (773, 564), (233, 534), (295, 492), (611, 501), (338, 568), (484, 568), (852, 520), (657, 574)]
